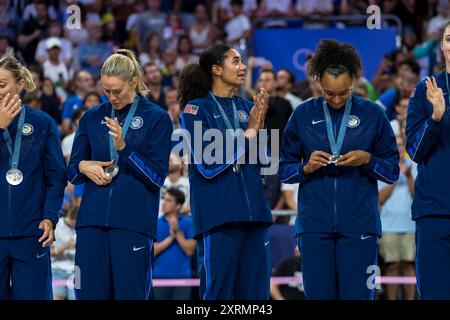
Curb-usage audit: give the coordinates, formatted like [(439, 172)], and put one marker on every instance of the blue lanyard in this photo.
[(18, 140), (112, 151), (224, 115), (448, 88), (337, 145)]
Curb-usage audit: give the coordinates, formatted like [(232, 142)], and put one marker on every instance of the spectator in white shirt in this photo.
[(239, 25)]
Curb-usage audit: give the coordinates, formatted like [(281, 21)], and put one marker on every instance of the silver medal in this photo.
[(237, 168), (112, 170), (14, 177), (334, 159)]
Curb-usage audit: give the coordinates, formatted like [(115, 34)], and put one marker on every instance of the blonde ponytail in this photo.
[(30, 86), (123, 64)]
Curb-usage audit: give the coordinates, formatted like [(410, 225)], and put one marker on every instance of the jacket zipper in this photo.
[(246, 194), (9, 210), (108, 206), (335, 189)]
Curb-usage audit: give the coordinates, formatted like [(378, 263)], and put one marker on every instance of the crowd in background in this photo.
[(168, 35)]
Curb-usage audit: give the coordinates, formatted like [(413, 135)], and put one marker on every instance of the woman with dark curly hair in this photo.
[(230, 212), (336, 147)]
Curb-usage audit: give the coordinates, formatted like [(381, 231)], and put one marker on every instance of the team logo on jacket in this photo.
[(136, 123), (27, 129), (353, 121), (243, 116)]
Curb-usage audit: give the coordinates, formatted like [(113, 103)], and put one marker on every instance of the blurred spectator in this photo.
[(34, 30), (397, 243), (289, 194), (174, 247), (32, 99), (239, 26), (360, 88), (307, 8), (94, 52), (355, 7), (187, 9), (282, 239), (280, 109), (152, 53), (67, 142), (47, 95), (138, 8), (185, 55), (402, 88), (176, 179), (121, 10), (275, 8), (5, 48), (153, 79), (225, 13), (32, 10), (288, 267), (82, 85), (63, 255), (91, 100), (55, 69), (152, 20), (285, 82), (173, 107), (172, 31), (314, 9), (169, 58), (8, 20), (437, 22), (110, 34), (55, 31), (202, 31)]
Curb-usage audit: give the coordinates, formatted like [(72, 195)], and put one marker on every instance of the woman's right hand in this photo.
[(436, 98), (9, 109), (318, 159), (258, 113), (95, 171)]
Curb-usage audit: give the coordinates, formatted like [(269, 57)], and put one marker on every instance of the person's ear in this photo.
[(20, 86), (134, 83), (217, 70)]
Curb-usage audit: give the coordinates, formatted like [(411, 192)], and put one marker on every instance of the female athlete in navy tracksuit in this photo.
[(121, 151), (428, 144), (31, 188), (230, 211), (336, 147)]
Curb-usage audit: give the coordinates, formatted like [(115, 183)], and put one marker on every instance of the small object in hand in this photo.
[(112, 170), (334, 159), (237, 168)]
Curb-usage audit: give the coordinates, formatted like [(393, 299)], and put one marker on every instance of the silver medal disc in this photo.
[(14, 177), (236, 168), (112, 170), (334, 159)]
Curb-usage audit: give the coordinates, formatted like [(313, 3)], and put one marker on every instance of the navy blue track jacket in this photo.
[(428, 144), (339, 199), (218, 195), (41, 193), (131, 200)]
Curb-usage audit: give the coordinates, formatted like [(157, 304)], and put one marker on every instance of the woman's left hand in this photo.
[(48, 237), (116, 133), (354, 159)]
